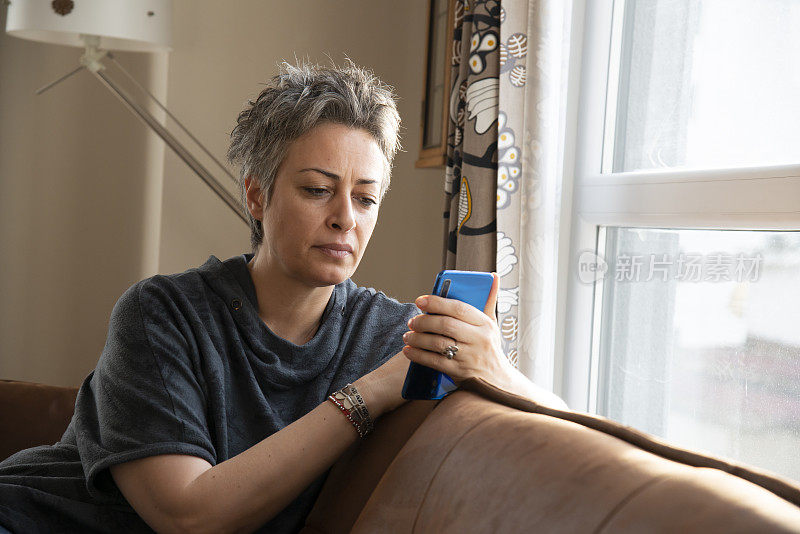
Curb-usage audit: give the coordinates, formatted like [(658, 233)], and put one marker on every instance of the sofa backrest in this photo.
[(474, 465), (355, 474), (33, 414)]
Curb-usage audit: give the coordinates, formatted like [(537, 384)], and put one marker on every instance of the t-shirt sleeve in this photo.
[(145, 397)]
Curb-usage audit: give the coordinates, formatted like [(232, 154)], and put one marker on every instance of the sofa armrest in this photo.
[(33, 414), (353, 477)]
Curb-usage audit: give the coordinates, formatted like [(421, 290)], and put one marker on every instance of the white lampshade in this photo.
[(125, 25)]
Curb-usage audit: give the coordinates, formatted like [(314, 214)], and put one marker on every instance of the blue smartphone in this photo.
[(472, 287)]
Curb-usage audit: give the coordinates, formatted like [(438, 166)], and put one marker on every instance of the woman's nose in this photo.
[(343, 217)]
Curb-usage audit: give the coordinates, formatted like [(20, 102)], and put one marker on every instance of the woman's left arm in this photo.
[(477, 335)]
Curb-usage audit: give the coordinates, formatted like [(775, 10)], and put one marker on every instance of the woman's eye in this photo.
[(367, 201), (316, 191)]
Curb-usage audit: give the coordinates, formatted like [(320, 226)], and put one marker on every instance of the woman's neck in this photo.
[(291, 309)]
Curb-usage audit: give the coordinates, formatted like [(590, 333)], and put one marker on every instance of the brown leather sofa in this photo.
[(32, 414), (482, 460)]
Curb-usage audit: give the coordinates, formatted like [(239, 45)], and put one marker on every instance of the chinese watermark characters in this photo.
[(686, 267)]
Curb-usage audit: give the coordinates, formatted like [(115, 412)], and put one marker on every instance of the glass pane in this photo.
[(707, 83), (700, 340)]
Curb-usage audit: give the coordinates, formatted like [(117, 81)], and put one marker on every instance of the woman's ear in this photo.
[(255, 198)]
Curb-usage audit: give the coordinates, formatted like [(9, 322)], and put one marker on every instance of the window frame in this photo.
[(436, 155), (745, 198)]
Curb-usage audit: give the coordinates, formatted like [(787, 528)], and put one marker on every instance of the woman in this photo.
[(223, 394)]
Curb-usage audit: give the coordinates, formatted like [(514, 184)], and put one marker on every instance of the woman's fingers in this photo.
[(433, 360), (480, 358), (434, 304), (430, 342), (446, 326)]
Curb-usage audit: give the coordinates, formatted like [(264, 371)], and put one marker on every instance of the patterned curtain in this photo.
[(534, 54), (504, 155), (471, 176)]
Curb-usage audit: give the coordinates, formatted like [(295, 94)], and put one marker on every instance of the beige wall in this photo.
[(81, 184), (75, 168)]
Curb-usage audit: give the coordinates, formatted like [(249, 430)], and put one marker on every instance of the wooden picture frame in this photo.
[(436, 86)]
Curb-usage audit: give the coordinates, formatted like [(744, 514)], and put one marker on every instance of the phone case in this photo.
[(472, 287)]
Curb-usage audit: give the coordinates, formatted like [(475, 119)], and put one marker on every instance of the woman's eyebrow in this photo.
[(336, 177)]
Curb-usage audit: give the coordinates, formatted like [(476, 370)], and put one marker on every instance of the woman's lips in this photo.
[(333, 252)]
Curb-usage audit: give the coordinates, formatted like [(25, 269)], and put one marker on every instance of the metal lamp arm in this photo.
[(91, 61)]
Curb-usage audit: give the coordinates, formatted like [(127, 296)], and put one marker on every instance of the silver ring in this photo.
[(450, 352)]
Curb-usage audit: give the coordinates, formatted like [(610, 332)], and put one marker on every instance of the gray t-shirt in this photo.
[(190, 368)]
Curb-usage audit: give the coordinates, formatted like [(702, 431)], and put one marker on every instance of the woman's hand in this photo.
[(475, 333), (477, 336)]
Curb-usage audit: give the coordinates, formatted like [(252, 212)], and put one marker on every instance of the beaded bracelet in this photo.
[(350, 402)]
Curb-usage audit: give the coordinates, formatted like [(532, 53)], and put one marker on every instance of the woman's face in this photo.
[(324, 205)]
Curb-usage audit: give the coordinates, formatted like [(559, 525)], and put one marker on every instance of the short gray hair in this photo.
[(296, 100)]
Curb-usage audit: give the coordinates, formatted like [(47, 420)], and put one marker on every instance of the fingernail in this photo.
[(406, 335), (422, 301), (409, 322)]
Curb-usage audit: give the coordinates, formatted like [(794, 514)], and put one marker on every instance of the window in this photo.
[(683, 286), (709, 83), (701, 346)]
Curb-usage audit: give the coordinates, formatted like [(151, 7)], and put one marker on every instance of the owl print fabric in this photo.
[(472, 142), (503, 184)]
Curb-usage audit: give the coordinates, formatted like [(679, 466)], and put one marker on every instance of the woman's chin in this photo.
[(330, 277)]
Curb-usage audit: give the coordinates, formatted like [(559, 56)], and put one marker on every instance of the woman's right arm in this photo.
[(179, 493)]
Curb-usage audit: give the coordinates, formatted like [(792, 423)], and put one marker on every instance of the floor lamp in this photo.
[(99, 26)]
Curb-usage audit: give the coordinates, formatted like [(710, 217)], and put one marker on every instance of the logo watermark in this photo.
[(686, 267)]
